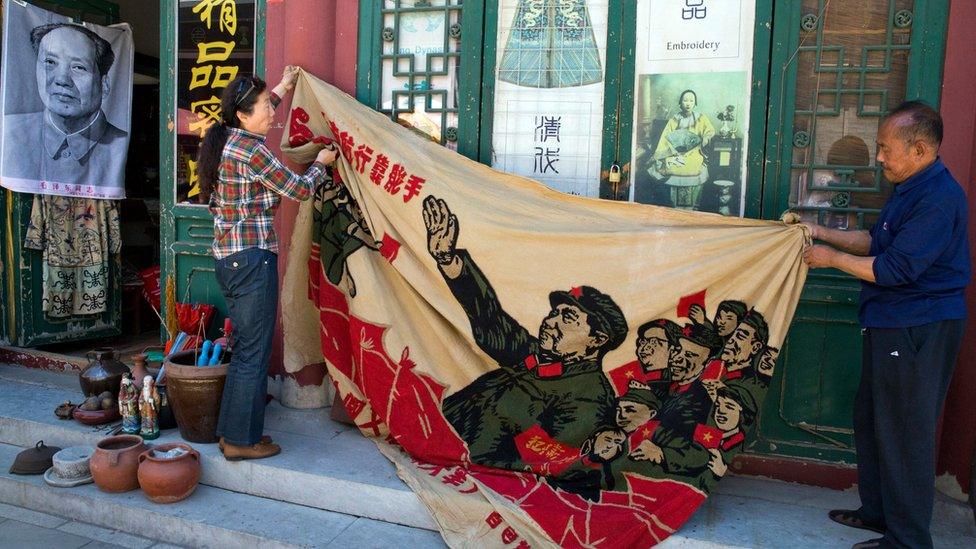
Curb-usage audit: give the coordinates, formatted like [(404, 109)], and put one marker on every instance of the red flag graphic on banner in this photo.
[(622, 376), (707, 436), (546, 455), (685, 303), (644, 432)]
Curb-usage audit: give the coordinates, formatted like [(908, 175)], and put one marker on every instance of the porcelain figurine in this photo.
[(149, 409), (129, 406)]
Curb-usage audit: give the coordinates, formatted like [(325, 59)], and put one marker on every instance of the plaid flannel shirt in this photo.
[(251, 184)]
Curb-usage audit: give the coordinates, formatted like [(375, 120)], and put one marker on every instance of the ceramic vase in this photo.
[(139, 370)]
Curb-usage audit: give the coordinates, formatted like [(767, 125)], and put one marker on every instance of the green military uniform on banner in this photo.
[(569, 404)]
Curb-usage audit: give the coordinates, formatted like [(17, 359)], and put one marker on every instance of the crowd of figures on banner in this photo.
[(679, 411)]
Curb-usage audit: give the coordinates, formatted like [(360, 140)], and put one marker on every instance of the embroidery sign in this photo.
[(543, 369), (66, 104), (694, 29), (691, 104)]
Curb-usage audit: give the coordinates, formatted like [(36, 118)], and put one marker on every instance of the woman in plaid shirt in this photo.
[(245, 183)]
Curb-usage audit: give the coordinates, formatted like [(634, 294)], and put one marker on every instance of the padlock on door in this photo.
[(614, 176)]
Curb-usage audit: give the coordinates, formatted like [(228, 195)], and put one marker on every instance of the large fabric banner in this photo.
[(543, 369), (66, 104)]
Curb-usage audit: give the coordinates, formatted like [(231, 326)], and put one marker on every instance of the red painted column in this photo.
[(320, 36), (958, 443)]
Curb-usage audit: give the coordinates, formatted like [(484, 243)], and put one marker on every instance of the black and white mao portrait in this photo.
[(67, 99)]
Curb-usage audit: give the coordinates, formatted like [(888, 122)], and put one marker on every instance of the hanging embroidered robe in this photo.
[(551, 45), (76, 236)]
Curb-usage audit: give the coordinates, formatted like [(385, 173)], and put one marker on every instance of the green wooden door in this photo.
[(837, 67), (202, 51), (23, 320)]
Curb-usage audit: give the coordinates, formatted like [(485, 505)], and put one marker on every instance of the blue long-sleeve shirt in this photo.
[(921, 252)]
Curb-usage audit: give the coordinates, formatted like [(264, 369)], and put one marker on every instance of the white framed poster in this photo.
[(692, 98)]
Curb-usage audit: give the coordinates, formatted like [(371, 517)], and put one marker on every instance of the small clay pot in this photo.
[(195, 393), (115, 463), (168, 480)]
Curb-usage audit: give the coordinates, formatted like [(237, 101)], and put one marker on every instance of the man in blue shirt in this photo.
[(914, 267)]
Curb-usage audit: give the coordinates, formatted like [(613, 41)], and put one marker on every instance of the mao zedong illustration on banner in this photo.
[(66, 104), (543, 369)]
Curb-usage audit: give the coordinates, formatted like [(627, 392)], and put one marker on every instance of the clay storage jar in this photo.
[(169, 479), (194, 393), (103, 373), (115, 463)]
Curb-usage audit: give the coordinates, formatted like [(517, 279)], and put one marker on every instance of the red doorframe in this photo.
[(958, 443), (320, 36)]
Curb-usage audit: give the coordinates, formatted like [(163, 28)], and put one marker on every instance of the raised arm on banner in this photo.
[(442, 234)]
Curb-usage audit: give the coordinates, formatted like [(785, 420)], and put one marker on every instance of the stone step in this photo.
[(324, 464), (211, 517), (328, 470)]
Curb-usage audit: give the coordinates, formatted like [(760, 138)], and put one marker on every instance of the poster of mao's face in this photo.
[(66, 104)]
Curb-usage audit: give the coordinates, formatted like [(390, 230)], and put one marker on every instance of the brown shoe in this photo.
[(265, 439), (232, 452)]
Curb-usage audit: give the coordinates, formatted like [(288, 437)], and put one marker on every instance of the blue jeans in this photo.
[(249, 281)]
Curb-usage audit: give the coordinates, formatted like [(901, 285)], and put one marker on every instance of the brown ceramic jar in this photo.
[(103, 373), (168, 480), (115, 463)]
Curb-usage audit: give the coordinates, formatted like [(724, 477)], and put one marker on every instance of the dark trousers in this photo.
[(249, 282), (904, 378)]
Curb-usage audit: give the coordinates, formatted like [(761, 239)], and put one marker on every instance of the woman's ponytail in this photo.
[(239, 96), (209, 159)]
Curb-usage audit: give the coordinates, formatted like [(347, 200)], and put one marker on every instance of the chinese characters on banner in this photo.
[(394, 179), (216, 44), (693, 72), (548, 120), (67, 102)]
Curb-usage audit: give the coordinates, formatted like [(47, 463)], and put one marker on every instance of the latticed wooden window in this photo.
[(852, 68), (419, 65)]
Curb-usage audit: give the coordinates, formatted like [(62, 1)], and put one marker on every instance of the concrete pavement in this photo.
[(22, 528)]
